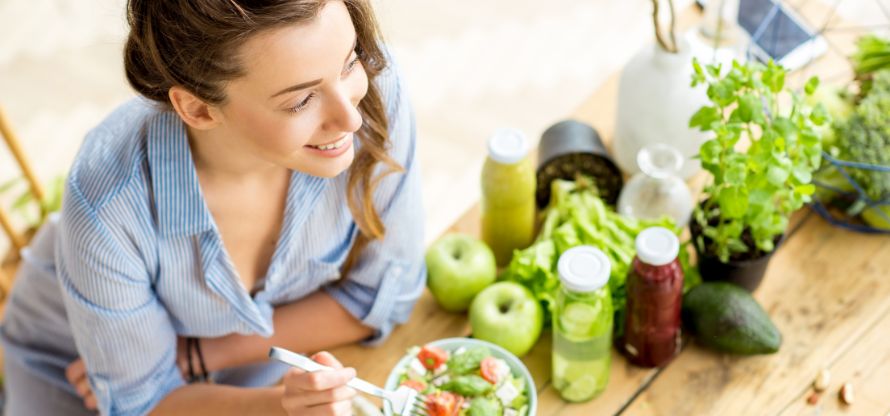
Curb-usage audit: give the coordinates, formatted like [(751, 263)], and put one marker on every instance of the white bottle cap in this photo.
[(508, 146), (657, 246), (583, 269)]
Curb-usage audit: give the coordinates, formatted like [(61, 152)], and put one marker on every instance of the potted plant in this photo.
[(765, 145)]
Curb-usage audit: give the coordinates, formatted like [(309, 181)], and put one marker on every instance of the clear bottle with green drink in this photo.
[(582, 325), (508, 195)]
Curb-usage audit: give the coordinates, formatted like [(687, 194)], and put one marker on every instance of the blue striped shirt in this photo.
[(135, 258)]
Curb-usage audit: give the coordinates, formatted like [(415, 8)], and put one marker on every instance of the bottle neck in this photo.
[(653, 273), (660, 161)]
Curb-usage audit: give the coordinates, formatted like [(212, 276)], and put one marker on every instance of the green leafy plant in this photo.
[(753, 191), (25, 200)]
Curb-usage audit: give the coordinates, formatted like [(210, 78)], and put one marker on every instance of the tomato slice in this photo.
[(444, 404), (489, 369), (432, 357), (415, 384)]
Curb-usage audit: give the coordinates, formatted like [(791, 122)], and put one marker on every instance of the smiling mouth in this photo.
[(334, 145)]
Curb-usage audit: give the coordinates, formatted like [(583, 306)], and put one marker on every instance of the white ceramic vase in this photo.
[(655, 103)]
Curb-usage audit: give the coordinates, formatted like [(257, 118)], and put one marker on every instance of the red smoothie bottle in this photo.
[(654, 297)]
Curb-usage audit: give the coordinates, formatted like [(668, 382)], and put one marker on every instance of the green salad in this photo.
[(465, 382)]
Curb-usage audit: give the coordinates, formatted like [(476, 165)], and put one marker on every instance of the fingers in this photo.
[(82, 387), (317, 398), (319, 380), (75, 371), (331, 409), (326, 358), (90, 402), (321, 393), (341, 408)]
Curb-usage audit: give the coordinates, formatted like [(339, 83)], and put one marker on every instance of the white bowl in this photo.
[(451, 344)]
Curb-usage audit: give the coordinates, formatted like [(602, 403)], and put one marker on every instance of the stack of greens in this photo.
[(872, 56), (577, 216)]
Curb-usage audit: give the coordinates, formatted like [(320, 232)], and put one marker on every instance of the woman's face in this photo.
[(296, 106)]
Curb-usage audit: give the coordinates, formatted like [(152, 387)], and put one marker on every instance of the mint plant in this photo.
[(765, 146)]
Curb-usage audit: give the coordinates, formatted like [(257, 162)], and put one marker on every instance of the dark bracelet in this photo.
[(190, 345), (188, 355), (204, 377)]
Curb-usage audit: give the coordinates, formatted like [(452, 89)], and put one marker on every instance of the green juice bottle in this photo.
[(508, 195), (582, 325)]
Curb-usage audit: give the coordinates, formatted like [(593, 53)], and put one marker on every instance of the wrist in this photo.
[(215, 353), (270, 401)]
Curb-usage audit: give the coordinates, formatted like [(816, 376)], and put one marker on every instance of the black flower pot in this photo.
[(746, 271), (569, 148)]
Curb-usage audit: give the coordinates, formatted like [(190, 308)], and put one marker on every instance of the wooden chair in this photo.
[(19, 239)]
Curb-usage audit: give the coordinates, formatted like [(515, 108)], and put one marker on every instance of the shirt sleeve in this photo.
[(122, 331), (390, 275)]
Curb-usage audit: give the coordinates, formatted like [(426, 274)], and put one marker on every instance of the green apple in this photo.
[(459, 267), (507, 314)]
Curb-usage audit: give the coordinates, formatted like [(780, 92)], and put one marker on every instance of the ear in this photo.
[(194, 111)]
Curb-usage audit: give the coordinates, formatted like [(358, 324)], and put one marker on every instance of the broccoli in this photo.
[(866, 137)]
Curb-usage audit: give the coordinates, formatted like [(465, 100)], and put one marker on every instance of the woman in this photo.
[(264, 191)]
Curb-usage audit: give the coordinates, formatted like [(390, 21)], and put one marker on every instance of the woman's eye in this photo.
[(302, 104), (351, 65)]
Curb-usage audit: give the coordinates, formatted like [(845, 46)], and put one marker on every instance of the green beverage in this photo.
[(508, 195), (582, 325)]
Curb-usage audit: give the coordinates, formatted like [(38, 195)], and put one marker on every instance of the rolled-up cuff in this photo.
[(134, 402), (390, 304)]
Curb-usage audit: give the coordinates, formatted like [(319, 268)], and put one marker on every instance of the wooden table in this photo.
[(827, 289)]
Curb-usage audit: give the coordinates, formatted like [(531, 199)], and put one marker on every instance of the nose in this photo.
[(343, 115)]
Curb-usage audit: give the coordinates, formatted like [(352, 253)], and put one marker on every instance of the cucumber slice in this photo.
[(578, 319), (580, 389)]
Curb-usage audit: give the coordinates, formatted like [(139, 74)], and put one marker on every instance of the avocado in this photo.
[(726, 318)]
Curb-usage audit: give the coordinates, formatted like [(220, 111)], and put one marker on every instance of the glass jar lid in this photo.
[(583, 269), (508, 146), (657, 246)]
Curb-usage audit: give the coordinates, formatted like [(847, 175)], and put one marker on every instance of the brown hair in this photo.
[(193, 44)]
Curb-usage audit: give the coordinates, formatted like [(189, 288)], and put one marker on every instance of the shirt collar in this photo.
[(180, 204)]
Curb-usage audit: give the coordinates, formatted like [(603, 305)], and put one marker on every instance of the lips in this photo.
[(332, 145)]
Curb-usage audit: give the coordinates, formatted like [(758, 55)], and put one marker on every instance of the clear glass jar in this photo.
[(654, 298), (658, 189), (582, 325), (508, 195)]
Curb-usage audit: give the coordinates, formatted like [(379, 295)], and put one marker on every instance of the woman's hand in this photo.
[(76, 373), (322, 393)]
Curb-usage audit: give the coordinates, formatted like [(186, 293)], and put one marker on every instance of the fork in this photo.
[(404, 401)]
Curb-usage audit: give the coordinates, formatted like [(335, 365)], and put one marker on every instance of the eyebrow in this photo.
[(313, 83)]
